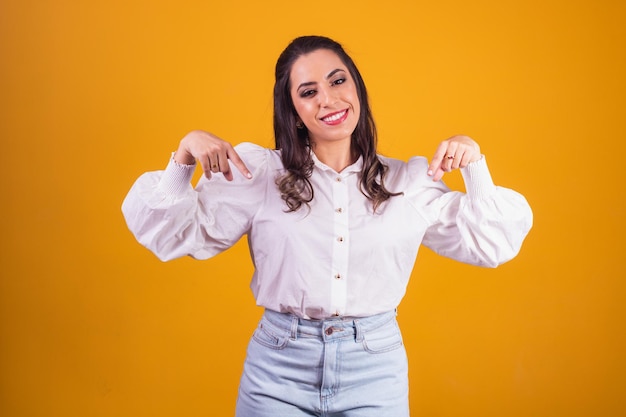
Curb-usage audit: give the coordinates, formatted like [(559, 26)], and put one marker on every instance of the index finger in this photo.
[(238, 162), (435, 162)]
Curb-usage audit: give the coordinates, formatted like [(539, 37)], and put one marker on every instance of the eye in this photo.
[(307, 93), (338, 81)]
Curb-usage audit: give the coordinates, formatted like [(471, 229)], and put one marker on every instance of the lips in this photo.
[(335, 118)]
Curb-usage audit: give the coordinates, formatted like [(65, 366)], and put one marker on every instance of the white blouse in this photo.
[(336, 257)]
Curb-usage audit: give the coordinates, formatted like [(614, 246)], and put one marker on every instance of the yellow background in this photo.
[(93, 93)]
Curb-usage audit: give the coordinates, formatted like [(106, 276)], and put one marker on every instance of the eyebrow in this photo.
[(330, 74)]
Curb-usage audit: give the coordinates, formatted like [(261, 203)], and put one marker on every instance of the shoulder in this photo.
[(258, 157), (251, 149), (415, 166), (410, 177)]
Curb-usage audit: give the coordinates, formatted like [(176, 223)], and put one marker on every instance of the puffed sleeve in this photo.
[(484, 226), (172, 219)]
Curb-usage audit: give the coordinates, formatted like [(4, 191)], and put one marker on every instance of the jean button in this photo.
[(329, 331)]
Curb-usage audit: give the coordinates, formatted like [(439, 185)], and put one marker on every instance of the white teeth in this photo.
[(334, 117)]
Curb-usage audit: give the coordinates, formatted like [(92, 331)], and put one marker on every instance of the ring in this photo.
[(214, 166), (450, 157)]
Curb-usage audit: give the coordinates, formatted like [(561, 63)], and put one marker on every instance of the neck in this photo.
[(337, 156)]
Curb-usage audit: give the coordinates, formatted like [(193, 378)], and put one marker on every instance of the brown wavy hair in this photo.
[(294, 186)]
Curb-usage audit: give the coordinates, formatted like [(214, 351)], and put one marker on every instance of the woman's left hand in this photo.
[(455, 152)]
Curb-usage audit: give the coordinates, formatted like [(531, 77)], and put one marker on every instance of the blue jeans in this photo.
[(336, 367)]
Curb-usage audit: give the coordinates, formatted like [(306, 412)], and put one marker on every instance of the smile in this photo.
[(335, 118)]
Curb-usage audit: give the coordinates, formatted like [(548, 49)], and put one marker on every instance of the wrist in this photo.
[(181, 156)]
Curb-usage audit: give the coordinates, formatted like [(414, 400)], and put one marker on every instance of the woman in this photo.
[(334, 230)]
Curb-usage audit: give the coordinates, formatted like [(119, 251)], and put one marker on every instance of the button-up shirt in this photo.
[(335, 256)]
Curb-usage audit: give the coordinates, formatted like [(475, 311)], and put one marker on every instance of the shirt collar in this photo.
[(355, 167)]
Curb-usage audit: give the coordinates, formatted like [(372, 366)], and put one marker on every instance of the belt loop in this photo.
[(359, 331), (294, 327)]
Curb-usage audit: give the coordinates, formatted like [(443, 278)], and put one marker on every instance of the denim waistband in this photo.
[(326, 329)]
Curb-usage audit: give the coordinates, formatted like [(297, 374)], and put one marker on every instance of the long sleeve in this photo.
[(172, 219), (484, 226), (337, 255)]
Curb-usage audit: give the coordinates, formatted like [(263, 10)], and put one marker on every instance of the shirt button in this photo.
[(339, 210), (338, 179), (338, 276), (340, 239)]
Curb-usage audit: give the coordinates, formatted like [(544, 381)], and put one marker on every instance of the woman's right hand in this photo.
[(211, 152)]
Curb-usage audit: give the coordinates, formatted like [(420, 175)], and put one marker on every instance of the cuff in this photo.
[(176, 177), (478, 181)]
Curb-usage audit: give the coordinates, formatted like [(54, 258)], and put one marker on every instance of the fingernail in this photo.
[(249, 175), (430, 172)]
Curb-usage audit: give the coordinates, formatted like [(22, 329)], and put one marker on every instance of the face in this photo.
[(325, 97)]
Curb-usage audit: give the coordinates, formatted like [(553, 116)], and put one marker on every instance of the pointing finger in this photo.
[(238, 162), (436, 161)]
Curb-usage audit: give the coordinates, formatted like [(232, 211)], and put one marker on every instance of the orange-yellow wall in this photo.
[(93, 93)]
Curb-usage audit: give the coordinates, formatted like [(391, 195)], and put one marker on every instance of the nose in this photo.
[(326, 96)]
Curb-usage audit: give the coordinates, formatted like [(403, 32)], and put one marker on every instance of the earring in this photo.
[(299, 124)]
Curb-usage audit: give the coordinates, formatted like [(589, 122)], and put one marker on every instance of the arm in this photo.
[(484, 226), (172, 219)]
